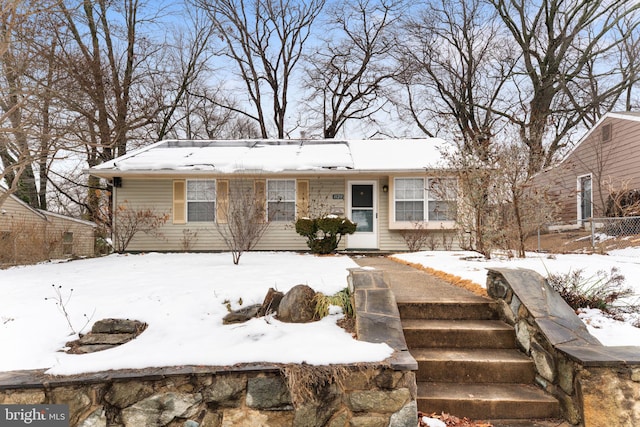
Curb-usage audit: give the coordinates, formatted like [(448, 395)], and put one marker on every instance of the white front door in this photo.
[(362, 204)]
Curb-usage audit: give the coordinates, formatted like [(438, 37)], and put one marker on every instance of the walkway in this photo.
[(410, 285)]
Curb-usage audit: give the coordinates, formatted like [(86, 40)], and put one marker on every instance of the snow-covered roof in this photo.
[(46, 214), (230, 156)]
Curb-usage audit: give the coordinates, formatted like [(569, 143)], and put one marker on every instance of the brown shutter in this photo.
[(302, 198), (179, 201), (260, 190), (222, 201)]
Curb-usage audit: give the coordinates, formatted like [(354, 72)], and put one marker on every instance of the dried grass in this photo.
[(449, 278)]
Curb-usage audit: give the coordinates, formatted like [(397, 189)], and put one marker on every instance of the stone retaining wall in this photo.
[(197, 397), (360, 395), (595, 384)]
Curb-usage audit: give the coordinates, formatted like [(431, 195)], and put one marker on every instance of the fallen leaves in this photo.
[(452, 420)]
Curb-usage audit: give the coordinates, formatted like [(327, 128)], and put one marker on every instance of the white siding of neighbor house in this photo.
[(157, 194)]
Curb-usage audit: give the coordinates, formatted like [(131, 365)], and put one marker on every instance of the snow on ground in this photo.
[(471, 266), (183, 299)]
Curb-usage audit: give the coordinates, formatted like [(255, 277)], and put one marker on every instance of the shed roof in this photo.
[(231, 156), (45, 215)]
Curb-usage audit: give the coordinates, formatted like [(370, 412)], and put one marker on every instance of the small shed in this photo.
[(29, 235)]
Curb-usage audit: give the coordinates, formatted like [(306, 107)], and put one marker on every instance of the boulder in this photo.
[(271, 302), (118, 326), (298, 305), (242, 315)]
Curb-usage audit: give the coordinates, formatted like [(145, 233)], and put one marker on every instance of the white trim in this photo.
[(295, 198), (68, 218), (367, 239), (186, 199), (579, 179)]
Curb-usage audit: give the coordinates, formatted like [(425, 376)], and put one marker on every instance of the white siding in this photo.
[(156, 194)]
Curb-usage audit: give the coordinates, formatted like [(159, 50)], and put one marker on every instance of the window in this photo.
[(606, 133), (201, 200), (442, 196), (410, 195), (67, 243), (584, 197), (281, 199)]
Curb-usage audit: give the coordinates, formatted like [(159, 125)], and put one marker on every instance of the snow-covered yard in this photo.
[(470, 266), (183, 298)]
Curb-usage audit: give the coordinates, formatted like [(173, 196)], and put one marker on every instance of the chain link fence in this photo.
[(595, 229), (614, 227)]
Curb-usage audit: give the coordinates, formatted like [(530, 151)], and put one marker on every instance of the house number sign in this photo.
[(338, 196)]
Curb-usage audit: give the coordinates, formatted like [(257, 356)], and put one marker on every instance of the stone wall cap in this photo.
[(403, 361), (601, 356)]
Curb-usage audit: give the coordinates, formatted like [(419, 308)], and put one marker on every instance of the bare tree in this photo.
[(265, 41), (18, 24), (519, 209), (183, 73), (628, 51), (348, 72), (242, 219), (565, 48), (107, 62), (456, 71)]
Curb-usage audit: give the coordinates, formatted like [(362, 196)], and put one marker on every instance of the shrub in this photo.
[(623, 203), (341, 299), (598, 291), (417, 237), (130, 221), (324, 234)]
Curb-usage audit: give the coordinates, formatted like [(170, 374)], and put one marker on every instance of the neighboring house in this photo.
[(385, 186), (31, 235), (605, 160)]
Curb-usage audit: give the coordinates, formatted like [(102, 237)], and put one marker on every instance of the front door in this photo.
[(362, 211)]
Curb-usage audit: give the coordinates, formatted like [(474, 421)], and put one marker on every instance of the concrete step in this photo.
[(451, 310), (421, 333), (487, 401), (473, 365)]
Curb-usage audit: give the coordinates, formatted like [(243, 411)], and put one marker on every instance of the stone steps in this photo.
[(487, 401), (476, 365), (458, 333), (434, 310), (469, 365)]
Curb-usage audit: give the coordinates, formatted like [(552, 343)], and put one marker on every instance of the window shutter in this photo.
[(222, 202), (260, 190), (179, 201), (302, 198)]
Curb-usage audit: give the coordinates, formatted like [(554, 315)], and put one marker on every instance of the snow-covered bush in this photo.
[(324, 234)]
